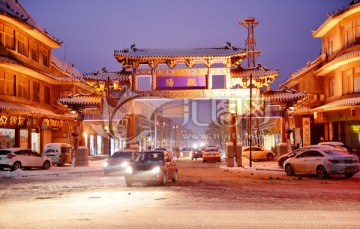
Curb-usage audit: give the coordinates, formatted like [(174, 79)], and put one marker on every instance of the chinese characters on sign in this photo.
[(306, 131), (15, 120), (181, 82), (29, 122)]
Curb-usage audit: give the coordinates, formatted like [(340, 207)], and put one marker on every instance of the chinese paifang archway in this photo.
[(190, 73), (183, 74)]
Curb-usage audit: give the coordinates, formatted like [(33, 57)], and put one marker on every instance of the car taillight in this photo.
[(9, 156), (335, 161)]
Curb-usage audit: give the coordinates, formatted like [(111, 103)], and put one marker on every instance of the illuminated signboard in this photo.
[(355, 128), (180, 82)]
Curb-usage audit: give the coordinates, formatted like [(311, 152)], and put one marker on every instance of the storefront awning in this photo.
[(29, 110), (339, 104), (283, 96)]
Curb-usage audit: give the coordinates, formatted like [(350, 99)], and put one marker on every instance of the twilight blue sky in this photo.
[(93, 29)]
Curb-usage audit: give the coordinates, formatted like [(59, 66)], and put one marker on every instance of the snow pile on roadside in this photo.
[(16, 174)]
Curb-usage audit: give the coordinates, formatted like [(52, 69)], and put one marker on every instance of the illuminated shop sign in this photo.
[(355, 128), (54, 123), (18, 121), (180, 82)]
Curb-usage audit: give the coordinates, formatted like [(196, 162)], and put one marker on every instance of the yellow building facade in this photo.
[(31, 81), (332, 81)]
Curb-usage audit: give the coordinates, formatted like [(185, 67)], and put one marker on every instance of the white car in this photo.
[(17, 158), (257, 153), (322, 161)]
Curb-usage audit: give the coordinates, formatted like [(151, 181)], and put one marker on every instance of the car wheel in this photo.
[(321, 171), (269, 157), (16, 165), (164, 179), (289, 170), (175, 176), (128, 181), (46, 165), (348, 175)]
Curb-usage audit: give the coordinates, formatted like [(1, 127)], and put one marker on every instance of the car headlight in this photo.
[(105, 164), (156, 169), (129, 170), (125, 164)]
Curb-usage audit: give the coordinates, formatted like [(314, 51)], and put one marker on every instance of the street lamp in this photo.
[(250, 83), (107, 88)]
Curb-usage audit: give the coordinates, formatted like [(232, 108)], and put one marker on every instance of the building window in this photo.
[(7, 84), (357, 32), (347, 82), (36, 92), (23, 44), (331, 86), (2, 35), (330, 46), (23, 88), (347, 36), (46, 95), (7, 37), (34, 51), (357, 80), (45, 57)]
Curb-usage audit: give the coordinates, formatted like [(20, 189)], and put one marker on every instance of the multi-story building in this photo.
[(31, 81), (332, 81)]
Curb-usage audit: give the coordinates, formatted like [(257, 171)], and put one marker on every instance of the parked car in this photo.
[(257, 153), (293, 153), (341, 146), (322, 161), (60, 153), (211, 154), (152, 166), (19, 158), (119, 161), (196, 154)]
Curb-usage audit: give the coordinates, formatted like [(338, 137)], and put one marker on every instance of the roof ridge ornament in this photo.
[(171, 63)]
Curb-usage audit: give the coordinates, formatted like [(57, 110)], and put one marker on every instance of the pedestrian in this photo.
[(177, 151)]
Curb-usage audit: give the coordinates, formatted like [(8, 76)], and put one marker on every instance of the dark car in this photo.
[(152, 166), (196, 154), (119, 161)]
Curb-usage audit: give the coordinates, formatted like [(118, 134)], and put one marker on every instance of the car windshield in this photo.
[(150, 157), (125, 155), (210, 150), (345, 147), (4, 152)]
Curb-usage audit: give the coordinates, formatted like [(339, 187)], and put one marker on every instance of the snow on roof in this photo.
[(6, 106), (81, 100), (174, 53), (9, 60), (256, 73), (282, 96), (108, 75), (339, 103), (69, 69), (16, 10)]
